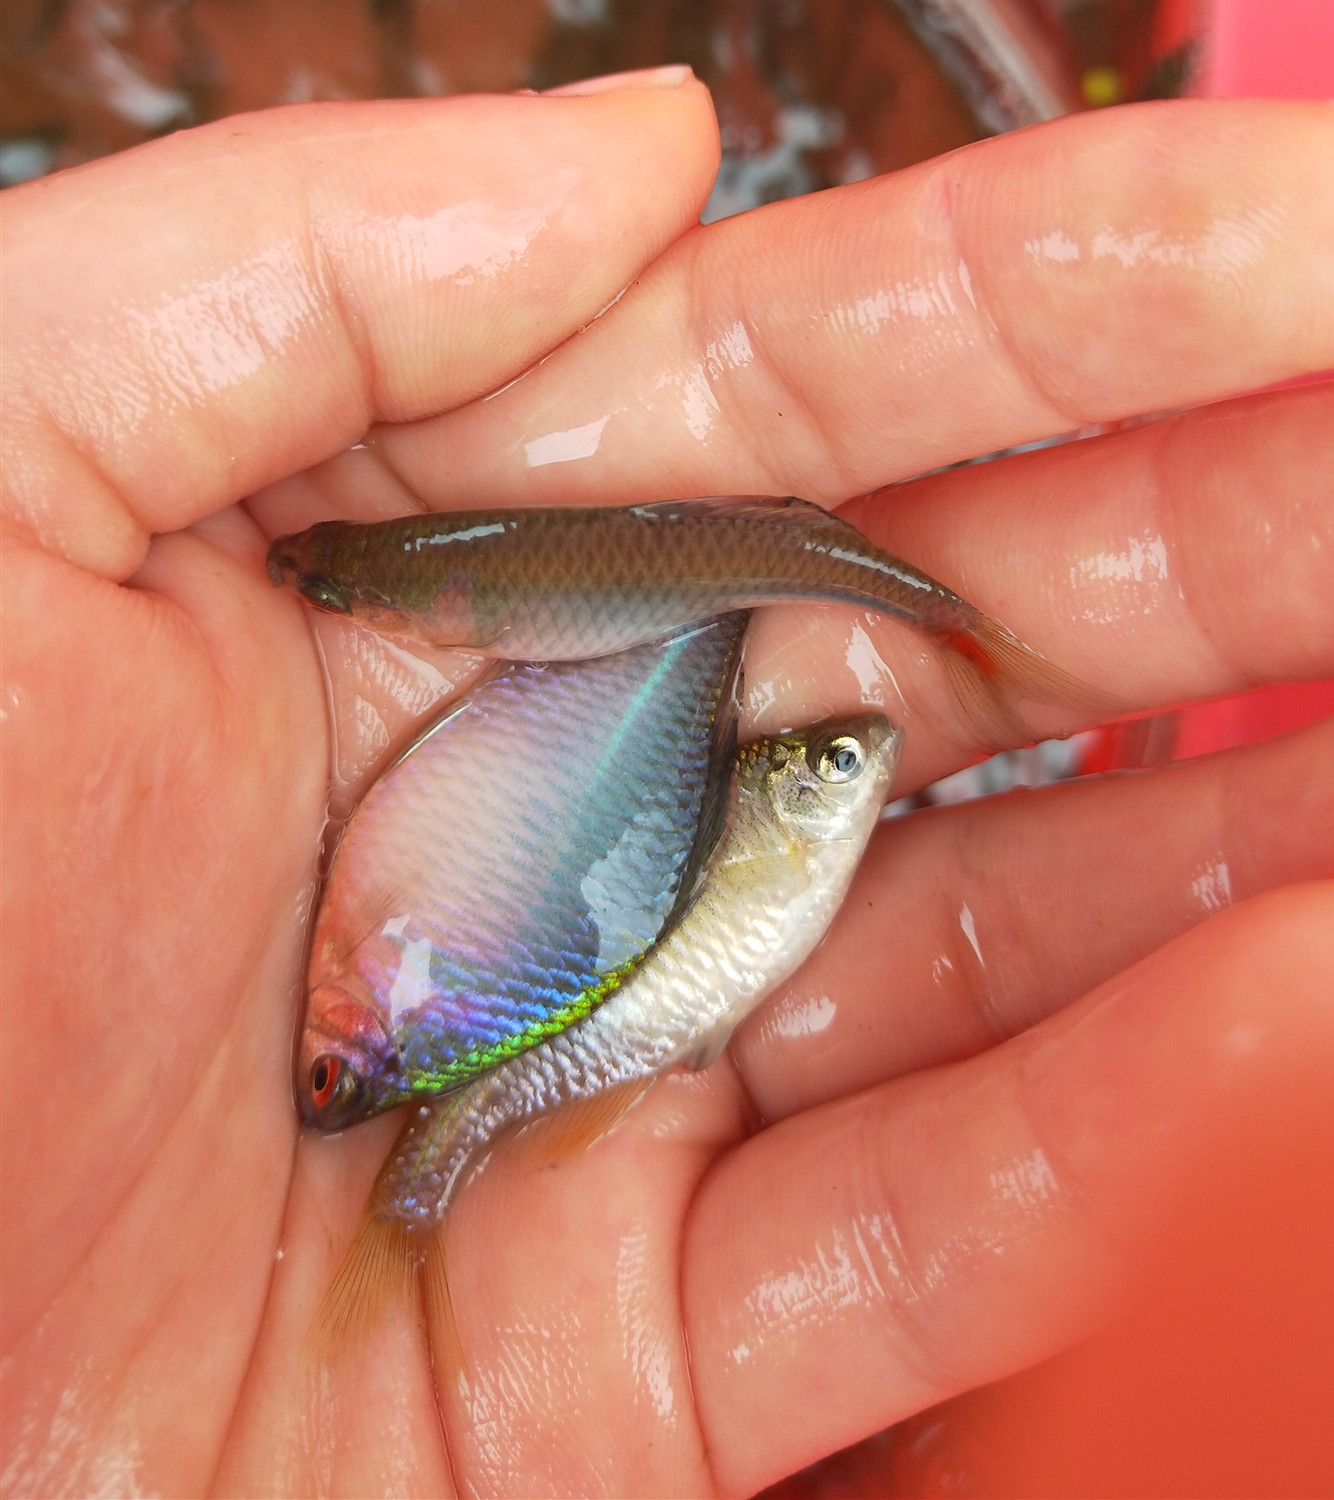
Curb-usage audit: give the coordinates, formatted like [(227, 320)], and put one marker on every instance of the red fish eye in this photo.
[(324, 1080)]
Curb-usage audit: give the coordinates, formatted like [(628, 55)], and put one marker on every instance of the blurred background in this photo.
[(1221, 1382), (809, 92)]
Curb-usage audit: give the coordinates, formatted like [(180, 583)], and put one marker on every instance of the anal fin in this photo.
[(574, 1127)]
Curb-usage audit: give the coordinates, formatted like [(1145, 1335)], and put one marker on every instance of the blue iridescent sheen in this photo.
[(515, 866)]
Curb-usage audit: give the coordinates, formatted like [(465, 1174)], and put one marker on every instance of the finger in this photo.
[(562, 1272), (1104, 265), (137, 1264), (1231, 1333), (967, 925), (311, 271), (365, 1425), (859, 1262), (160, 802), (1173, 561)]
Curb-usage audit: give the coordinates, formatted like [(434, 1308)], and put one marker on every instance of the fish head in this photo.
[(364, 575), (828, 781), (321, 564), (348, 1066), (328, 566)]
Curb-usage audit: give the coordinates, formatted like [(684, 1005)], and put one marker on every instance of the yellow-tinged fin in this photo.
[(786, 870), (448, 1363), (567, 1131), (991, 670), (574, 1127), (378, 1272)]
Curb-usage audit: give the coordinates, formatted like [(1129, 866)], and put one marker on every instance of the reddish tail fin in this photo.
[(991, 671)]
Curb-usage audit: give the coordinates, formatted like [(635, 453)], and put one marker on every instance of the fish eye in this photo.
[(326, 595), (840, 760), (332, 1082)]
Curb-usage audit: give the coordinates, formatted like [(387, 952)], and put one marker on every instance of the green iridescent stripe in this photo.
[(470, 1064)]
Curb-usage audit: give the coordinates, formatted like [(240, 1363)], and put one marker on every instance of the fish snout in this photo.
[(281, 564), (289, 564)]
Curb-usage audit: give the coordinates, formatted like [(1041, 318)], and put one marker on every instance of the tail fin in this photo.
[(389, 1263), (448, 1362), (991, 670), (378, 1271)]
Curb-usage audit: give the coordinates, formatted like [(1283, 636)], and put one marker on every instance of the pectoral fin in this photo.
[(710, 1049), (771, 872)]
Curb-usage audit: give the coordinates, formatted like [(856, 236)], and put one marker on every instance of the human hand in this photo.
[(691, 1306)]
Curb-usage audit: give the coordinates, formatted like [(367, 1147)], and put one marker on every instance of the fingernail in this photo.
[(670, 77)]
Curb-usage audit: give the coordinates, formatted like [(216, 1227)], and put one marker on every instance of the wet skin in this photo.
[(944, 1197)]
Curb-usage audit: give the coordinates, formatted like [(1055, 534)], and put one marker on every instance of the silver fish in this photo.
[(805, 806)]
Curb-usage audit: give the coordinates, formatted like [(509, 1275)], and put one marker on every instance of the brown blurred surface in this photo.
[(809, 92)]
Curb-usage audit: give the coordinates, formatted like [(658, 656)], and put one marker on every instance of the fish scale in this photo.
[(510, 870), (774, 885)]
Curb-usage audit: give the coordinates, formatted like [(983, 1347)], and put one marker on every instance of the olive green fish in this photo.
[(564, 583)]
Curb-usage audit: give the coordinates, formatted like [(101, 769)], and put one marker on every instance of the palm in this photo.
[(655, 1315), (180, 873)]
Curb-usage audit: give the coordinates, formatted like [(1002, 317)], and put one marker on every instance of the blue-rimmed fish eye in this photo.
[(840, 759)]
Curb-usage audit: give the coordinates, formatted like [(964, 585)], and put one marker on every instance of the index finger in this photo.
[(1083, 271)]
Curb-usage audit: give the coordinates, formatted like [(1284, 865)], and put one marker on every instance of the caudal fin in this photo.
[(378, 1272), (448, 1362), (992, 672)]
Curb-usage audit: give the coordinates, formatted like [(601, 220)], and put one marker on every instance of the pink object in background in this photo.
[(1261, 49), (1251, 716), (1266, 49)]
